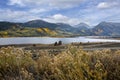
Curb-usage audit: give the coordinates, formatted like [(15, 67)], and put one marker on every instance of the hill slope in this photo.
[(106, 29)]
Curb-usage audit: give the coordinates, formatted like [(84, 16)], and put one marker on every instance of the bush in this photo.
[(72, 64), (60, 43), (55, 44)]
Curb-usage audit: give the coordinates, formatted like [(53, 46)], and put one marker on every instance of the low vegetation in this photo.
[(30, 32), (72, 64), (27, 32)]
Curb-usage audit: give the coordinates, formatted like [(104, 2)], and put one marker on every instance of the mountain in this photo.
[(39, 24), (6, 25), (43, 28), (60, 28), (35, 28), (65, 27), (82, 26), (44, 24), (106, 29)]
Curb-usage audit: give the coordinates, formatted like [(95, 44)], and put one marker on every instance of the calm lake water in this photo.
[(50, 40)]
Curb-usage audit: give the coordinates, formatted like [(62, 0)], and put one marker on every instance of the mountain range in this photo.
[(43, 28), (106, 29)]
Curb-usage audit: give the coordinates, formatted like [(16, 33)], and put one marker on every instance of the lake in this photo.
[(50, 40)]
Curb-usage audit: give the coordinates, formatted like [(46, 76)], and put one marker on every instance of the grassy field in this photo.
[(73, 63)]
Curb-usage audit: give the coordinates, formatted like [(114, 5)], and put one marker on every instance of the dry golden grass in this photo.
[(72, 64)]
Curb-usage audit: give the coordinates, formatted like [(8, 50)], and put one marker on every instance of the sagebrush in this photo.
[(72, 64)]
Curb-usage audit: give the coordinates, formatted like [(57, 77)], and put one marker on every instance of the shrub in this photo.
[(60, 43), (55, 44), (72, 64)]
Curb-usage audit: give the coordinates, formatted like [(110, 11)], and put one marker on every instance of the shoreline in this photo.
[(85, 46), (97, 37)]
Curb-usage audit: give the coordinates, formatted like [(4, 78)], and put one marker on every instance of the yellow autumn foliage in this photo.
[(4, 34), (39, 30), (48, 31)]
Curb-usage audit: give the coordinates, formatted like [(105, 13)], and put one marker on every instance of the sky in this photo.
[(71, 12)]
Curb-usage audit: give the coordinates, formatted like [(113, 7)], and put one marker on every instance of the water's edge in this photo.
[(51, 40)]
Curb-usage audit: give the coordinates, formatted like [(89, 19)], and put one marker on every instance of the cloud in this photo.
[(49, 3), (16, 16), (57, 11), (104, 5), (94, 15), (59, 18), (24, 16), (16, 2), (36, 11)]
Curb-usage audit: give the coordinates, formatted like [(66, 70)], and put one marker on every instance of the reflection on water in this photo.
[(50, 40)]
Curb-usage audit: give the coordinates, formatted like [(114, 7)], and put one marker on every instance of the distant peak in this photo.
[(104, 22), (62, 24), (82, 25), (35, 20)]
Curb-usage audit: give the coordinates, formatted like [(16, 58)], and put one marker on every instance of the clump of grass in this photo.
[(13, 63), (72, 64)]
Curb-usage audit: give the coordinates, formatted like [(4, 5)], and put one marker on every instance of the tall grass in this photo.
[(72, 64)]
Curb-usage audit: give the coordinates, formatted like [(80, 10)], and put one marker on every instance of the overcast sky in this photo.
[(67, 11)]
